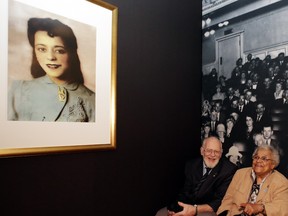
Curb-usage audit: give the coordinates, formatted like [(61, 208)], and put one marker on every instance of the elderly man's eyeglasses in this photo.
[(262, 159), (210, 151)]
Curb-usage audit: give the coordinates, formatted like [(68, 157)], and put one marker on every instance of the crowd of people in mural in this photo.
[(248, 109)]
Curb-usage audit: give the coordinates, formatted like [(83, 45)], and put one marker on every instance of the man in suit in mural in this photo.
[(261, 117), (229, 99), (247, 64), (265, 93), (220, 114), (213, 122), (207, 179), (283, 102), (241, 104), (249, 103), (255, 84), (269, 140), (268, 137), (233, 106), (280, 61)]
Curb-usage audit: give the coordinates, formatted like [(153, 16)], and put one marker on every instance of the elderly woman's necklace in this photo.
[(256, 188)]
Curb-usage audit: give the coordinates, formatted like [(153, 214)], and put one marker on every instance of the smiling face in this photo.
[(51, 55), (263, 162), (211, 151)]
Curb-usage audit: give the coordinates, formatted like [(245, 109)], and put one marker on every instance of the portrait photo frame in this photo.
[(94, 24)]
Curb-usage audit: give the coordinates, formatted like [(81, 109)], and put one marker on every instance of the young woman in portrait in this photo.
[(57, 92)]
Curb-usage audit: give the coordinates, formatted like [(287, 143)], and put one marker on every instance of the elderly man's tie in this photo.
[(202, 180)]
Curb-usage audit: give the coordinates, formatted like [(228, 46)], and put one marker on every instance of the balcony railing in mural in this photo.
[(211, 5)]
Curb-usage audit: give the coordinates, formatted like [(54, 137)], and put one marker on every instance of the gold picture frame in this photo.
[(94, 24)]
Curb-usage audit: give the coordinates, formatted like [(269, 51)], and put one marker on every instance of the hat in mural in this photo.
[(221, 128), (233, 151), (230, 119)]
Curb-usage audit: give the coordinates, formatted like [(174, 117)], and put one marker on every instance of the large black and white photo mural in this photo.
[(245, 77)]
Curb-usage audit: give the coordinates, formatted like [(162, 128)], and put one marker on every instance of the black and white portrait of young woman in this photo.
[(51, 67)]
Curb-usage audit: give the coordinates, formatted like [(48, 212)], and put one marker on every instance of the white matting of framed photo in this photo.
[(94, 24)]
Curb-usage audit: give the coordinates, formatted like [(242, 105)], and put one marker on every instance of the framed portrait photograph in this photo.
[(57, 76), (245, 77)]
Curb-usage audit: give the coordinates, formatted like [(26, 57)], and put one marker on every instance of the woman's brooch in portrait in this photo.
[(62, 94)]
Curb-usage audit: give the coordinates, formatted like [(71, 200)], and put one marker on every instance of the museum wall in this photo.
[(158, 106)]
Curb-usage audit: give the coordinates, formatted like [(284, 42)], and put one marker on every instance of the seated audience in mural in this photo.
[(263, 97)]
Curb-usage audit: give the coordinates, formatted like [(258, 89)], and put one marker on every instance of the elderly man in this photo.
[(207, 179)]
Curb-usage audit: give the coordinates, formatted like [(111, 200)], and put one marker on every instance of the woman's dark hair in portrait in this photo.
[(55, 28)]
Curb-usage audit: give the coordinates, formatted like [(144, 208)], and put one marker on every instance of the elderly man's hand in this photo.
[(170, 213), (188, 210)]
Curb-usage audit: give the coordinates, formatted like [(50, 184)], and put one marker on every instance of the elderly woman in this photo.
[(257, 190)]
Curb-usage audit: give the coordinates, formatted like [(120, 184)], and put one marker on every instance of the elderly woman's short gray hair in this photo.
[(274, 152)]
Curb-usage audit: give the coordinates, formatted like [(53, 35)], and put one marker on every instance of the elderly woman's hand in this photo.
[(250, 208)]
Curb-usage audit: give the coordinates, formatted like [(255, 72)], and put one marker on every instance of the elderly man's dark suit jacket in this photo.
[(213, 189)]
